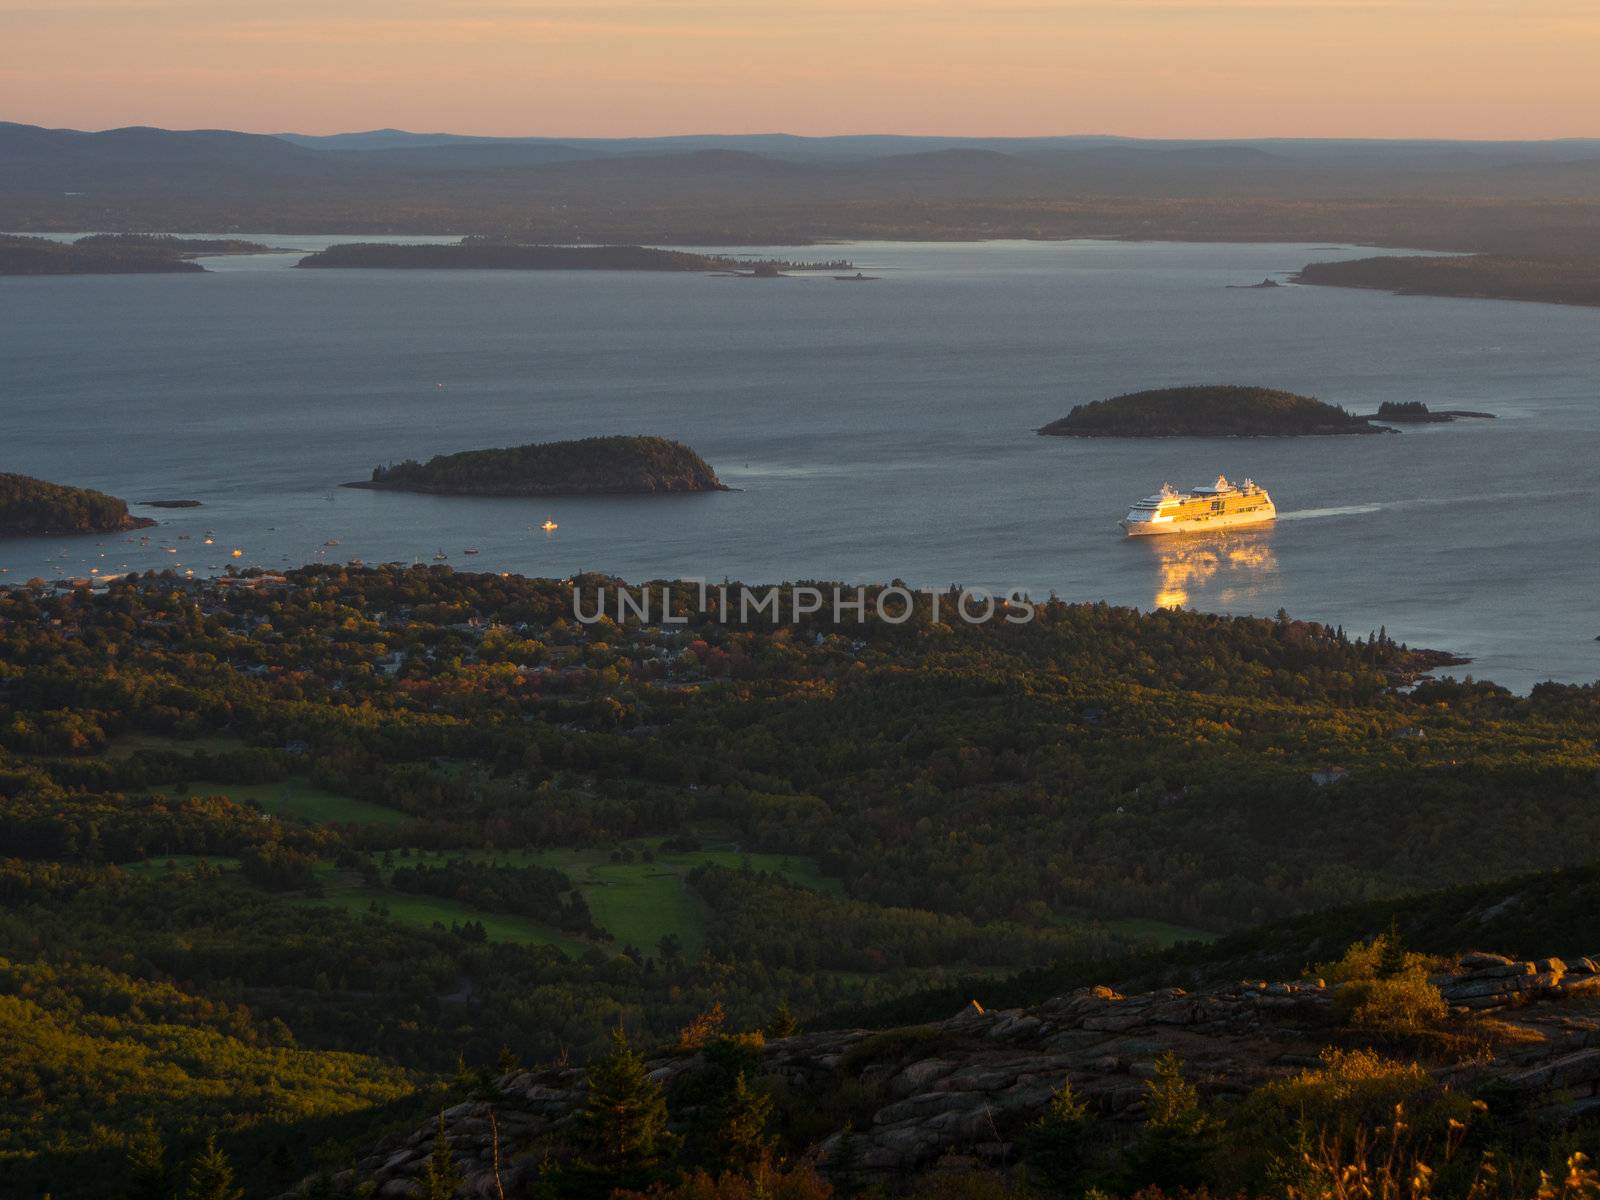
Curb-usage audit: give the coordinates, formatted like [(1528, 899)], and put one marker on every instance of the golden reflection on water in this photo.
[(1228, 567)]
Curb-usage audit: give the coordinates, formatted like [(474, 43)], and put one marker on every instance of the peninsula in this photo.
[(1209, 411), (1567, 280), (44, 256), (590, 466), (31, 506), (483, 254)]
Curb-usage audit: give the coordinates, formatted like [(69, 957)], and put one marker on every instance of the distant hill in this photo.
[(780, 189), (590, 466), (1208, 411)]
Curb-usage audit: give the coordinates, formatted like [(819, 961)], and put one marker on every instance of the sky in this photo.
[(600, 68)]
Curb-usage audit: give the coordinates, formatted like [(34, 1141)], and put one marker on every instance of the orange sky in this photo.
[(1178, 68)]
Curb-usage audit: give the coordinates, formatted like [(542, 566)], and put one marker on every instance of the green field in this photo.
[(640, 902), (302, 800), (1160, 933), (179, 862), (125, 744), (344, 889)]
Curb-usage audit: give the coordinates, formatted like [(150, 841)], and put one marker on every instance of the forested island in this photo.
[(1566, 280), (42, 256), (1415, 412), (588, 466), (115, 254), (33, 506), (168, 243), (1209, 411), (486, 254)]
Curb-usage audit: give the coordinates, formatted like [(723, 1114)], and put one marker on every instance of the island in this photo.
[(172, 244), (115, 254), (42, 256), (30, 506), (594, 466), (483, 254), (1567, 280), (1415, 412), (1209, 411)]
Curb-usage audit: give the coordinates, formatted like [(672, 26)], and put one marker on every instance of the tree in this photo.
[(782, 1024), (147, 1174), (211, 1175), (1055, 1147), (1392, 956), (623, 1124), (1174, 1149), (740, 1141), (440, 1177)]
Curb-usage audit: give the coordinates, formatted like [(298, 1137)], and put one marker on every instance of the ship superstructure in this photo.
[(1220, 505)]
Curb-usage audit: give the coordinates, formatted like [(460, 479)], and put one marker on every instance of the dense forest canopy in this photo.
[(1208, 411), (34, 506), (587, 466), (1569, 279), (43, 256), (347, 826)]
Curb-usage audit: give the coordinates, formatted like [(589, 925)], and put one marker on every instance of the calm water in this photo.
[(875, 430)]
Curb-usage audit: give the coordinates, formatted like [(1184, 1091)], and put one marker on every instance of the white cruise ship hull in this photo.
[(1199, 524)]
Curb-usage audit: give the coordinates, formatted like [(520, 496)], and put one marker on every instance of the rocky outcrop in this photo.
[(963, 1086)]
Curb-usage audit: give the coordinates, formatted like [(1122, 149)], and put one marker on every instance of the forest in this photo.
[(1568, 279), (1208, 411), (35, 506), (90, 256), (583, 467), (355, 836)]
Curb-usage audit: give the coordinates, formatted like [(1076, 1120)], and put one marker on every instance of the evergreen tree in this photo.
[(740, 1139), (1174, 1150), (1392, 953), (1055, 1148), (782, 1024), (440, 1177), (211, 1175), (147, 1175), (623, 1125)]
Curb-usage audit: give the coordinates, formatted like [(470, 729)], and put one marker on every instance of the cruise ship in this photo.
[(1220, 505)]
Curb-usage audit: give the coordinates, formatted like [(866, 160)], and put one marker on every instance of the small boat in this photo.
[(238, 553), (441, 557), (331, 542), (210, 540), (470, 550), (549, 526)]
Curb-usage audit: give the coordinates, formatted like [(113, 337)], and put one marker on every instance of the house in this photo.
[(1323, 776)]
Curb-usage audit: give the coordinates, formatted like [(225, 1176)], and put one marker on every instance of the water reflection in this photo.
[(1225, 569)]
